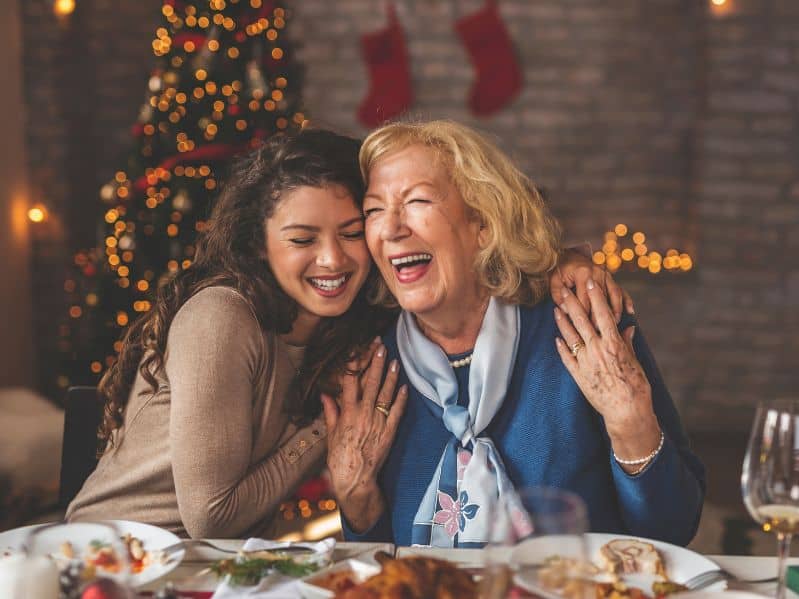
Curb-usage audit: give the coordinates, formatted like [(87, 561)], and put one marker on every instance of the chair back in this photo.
[(83, 412)]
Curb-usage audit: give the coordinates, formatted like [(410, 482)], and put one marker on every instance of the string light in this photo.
[(63, 8), (210, 85), (720, 8), (37, 213), (614, 254)]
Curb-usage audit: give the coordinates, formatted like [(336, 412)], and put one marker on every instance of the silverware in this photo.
[(705, 579), (172, 549)]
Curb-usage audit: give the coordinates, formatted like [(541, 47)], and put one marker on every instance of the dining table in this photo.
[(192, 579)]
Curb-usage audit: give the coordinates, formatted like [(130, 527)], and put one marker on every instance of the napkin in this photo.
[(276, 585)]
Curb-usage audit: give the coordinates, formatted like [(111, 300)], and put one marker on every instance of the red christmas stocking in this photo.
[(386, 56), (499, 77)]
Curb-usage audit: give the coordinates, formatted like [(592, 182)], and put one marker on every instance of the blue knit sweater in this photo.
[(548, 434)]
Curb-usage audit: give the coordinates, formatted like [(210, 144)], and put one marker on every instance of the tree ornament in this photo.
[(255, 78), (154, 84), (127, 242), (490, 48), (108, 192), (386, 57), (181, 201)]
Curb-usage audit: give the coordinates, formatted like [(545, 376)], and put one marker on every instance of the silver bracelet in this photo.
[(644, 460)]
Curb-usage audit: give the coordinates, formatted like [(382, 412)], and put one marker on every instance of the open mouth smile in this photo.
[(330, 286), (411, 267)]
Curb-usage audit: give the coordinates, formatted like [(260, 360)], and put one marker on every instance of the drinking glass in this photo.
[(770, 476), (536, 542)]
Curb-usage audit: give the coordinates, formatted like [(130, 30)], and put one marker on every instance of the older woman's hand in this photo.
[(603, 363), (575, 270), (360, 430)]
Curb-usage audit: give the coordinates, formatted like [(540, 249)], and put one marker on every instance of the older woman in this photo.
[(499, 387)]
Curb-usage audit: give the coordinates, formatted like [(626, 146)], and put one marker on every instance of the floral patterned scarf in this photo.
[(470, 477)]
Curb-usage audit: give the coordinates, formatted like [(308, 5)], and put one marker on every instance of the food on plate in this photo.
[(617, 590), (138, 557), (666, 587), (414, 578), (337, 582), (102, 555), (631, 556), (249, 568), (567, 576)]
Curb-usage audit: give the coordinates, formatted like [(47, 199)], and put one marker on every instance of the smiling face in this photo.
[(420, 235), (315, 247)]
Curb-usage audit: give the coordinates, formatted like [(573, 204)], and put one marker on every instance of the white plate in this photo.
[(680, 563), (153, 538)]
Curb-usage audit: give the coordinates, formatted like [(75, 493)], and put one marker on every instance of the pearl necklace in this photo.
[(461, 362)]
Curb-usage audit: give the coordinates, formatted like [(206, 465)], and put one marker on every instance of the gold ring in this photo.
[(382, 409), (576, 347)]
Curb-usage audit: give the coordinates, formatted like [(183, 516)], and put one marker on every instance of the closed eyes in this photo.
[(305, 241)]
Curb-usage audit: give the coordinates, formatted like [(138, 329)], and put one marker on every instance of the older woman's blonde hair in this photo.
[(523, 238)]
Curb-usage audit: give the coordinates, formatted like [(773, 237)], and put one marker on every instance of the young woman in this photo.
[(211, 414), (213, 411)]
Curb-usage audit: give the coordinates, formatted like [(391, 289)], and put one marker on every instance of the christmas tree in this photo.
[(223, 81)]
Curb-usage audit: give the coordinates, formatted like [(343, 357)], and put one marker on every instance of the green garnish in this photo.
[(249, 571), (97, 544)]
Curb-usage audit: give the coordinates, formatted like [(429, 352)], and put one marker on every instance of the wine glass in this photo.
[(770, 476), (537, 542)]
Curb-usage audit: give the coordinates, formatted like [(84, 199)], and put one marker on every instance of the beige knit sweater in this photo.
[(212, 452)]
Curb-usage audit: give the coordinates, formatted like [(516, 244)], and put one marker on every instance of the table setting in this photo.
[(540, 545), (189, 570)]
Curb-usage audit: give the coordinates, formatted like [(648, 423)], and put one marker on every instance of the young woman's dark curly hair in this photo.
[(231, 252)]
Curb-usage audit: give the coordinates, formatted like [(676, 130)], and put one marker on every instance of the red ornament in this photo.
[(499, 77), (104, 588), (233, 109), (313, 489), (89, 270), (179, 39), (137, 129), (386, 56), (240, 37)]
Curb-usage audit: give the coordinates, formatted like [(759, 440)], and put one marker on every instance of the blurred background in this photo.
[(663, 132)]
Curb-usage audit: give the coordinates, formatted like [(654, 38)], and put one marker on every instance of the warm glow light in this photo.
[(37, 214), (63, 8), (719, 2), (627, 254)]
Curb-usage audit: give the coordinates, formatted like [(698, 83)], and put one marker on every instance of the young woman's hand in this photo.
[(574, 270), (360, 430), (602, 362)]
